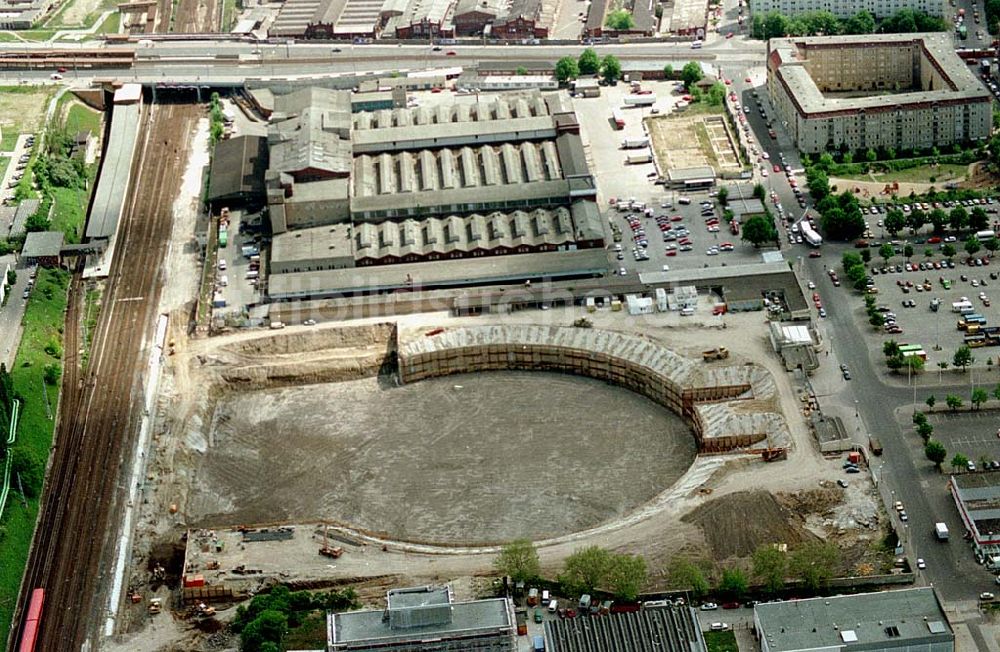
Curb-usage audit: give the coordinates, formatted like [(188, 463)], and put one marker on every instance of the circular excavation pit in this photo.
[(464, 459)]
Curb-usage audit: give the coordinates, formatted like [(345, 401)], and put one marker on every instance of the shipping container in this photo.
[(638, 159), (640, 100), (635, 143)]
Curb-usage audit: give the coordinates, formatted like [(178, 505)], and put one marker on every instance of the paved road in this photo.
[(904, 472)]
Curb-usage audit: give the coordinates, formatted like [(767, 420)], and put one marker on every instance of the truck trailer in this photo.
[(941, 531), (635, 159), (635, 143), (640, 100)]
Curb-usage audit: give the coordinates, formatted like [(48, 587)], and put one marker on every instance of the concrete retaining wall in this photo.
[(542, 356)]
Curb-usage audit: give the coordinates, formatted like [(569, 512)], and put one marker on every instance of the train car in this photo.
[(32, 621)]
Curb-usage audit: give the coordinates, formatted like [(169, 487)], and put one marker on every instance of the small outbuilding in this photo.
[(42, 248)]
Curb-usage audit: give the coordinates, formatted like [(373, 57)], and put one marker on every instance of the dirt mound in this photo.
[(811, 501), (737, 524)]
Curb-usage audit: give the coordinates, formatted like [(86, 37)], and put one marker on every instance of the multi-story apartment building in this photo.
[(846, 8), (898, 91)]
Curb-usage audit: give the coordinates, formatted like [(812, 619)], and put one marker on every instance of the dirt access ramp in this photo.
[(303, 356)]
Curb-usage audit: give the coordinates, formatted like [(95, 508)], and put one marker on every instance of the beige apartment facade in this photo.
[(898, 91), (847, 8)]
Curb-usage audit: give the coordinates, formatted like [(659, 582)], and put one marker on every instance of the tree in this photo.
[(860, 23), (953, 402), (916, 219), (717, 94), (668, 71), (269, 627), (918, 418), (963, 357), (775, 25), (722, 195), (992, 245), (978, 219), (759, 229), (759, 191), (935, 452), (611, 68), (620, 19), (814, 563), (958, 218), (567, 69), (930, 401), (626, 576), (691, 74), (870, 155), (519, 560), (938, 219), (51, 374), (925, 430), (960, 461), (915, 363), (908, 251), (895, 362), (819, 185), (11, 277), (886, 251), (589, 63), (876, 319), (972, 245), (733, 583), (894, 221), (843, 225), (26, 465), (890, 347), (586, 569), (686, 575), (996, 392), (866, 255), (770, 567), (948, 250), (979, 396), (928, 253)]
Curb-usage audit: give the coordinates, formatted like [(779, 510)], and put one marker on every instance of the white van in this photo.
[(545, 596), (687, 312), (696, 45), (553, 605)]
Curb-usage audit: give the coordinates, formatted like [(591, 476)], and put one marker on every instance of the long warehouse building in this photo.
[(418, 187)]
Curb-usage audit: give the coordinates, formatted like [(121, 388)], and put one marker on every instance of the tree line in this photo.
[(774, 24), (624, 575)]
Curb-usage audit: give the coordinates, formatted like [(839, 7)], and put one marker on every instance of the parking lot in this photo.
[(617, 181), (973, 434), (947, 281)]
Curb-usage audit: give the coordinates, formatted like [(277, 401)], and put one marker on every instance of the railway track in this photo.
[(71, 557)]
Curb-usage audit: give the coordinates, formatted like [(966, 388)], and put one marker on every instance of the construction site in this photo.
[(409, 450)]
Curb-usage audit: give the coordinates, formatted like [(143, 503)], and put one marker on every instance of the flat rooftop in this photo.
[(440, 274), (467, 618), (868, 620), (788, 57), (979, 494)]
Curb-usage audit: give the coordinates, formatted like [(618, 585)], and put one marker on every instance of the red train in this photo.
[(32, 621)]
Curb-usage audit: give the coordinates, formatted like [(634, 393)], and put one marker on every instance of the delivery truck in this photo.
[(941, 531)]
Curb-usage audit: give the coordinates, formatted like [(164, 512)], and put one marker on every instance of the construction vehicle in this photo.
[(718, 353), (334, 552), (774, 454)]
